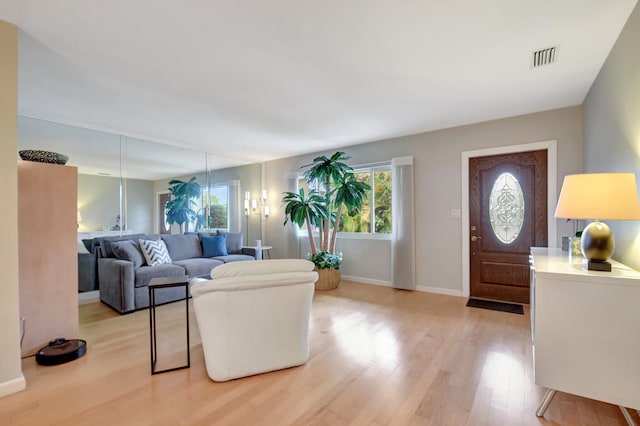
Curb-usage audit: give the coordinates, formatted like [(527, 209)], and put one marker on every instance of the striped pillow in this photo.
[(155, 252)]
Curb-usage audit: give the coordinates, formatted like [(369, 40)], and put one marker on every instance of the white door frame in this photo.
[(552, 171)]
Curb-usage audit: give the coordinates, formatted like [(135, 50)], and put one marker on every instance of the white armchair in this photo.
[(254, 316)]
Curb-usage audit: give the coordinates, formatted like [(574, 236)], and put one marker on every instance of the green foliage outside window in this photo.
[(382, 196), (361, 222), (218, 213)]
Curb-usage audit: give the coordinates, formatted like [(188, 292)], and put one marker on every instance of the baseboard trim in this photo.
[(422, 288), (88, 297), (439, 290), (366, 280), (13, 386)]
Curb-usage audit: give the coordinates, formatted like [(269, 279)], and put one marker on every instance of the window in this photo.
[(375, 215), (302, 183), (216, 203)]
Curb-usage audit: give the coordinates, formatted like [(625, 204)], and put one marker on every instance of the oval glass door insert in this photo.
[(506, 208)]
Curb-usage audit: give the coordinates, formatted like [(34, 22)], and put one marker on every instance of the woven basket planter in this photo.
[(328, 279)]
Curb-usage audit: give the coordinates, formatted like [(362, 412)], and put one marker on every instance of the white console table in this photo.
[(585, 330)]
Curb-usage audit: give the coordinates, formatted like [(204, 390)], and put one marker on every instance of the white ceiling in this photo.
[(255, 80)]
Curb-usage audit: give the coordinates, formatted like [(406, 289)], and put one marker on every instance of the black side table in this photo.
[(158, 283)]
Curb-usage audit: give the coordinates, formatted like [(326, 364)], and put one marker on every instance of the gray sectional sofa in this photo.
[(124, 274)]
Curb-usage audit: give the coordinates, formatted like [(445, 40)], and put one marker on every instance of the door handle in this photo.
[(475, 238)]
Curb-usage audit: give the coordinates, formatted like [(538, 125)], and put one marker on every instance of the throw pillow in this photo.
[(128, 250), (155, 252), (234, 241), (183, 246), (214, 246), (105, 242)]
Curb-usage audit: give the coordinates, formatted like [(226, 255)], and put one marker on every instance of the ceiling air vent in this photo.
[(544, 57)]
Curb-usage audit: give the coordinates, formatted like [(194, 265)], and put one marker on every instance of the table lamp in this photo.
[(608, 196)]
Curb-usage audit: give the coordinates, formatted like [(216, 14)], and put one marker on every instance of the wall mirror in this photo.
[(123, 182)]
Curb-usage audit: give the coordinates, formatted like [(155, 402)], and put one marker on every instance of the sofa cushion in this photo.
[(214, 246), (128, 250), (183, 246), (144, 274), (234, 258), (234, 241), (155, 252), (105, 242), (198, 266)]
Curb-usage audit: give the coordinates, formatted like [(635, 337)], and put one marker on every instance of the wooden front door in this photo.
[(507, 216)]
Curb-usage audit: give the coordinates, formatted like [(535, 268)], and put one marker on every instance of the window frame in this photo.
[(302, 232), (207, 190)]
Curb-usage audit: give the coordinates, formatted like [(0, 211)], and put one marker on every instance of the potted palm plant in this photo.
[(180, 208), (336, 191)]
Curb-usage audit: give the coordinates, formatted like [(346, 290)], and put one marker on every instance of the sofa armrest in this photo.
[(117, 283), (249, 251), (87, 272), (201, 286)]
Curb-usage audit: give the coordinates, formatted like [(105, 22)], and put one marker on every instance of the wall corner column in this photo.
[(11, 378)]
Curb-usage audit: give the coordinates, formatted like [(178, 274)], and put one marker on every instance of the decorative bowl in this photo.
[(43, 156)]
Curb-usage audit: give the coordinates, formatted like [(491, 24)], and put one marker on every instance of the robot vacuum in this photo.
[(61, 350)]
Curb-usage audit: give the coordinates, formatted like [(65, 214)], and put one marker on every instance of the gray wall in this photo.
[(612, 127), (99, 203), (437, 171)]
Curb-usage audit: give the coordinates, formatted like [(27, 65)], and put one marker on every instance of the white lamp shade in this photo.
[(600, 196)]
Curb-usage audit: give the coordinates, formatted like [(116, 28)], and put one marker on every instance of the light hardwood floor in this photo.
[(378, 357)]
